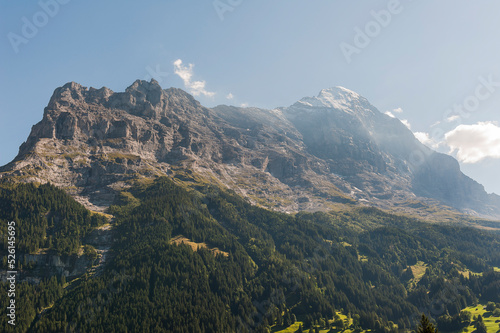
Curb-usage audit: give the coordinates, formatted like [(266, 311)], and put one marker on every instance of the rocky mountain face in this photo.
[(381, 156), (319, 152)]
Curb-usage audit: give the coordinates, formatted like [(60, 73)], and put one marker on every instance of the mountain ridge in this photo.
[(321, 151)]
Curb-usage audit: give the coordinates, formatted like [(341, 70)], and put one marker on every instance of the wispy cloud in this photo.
[(390, 114), (427, 140), (229, 96), (398, 110), (452, 118), (424, 137), (406, 123), (473, 143), (186, 74)]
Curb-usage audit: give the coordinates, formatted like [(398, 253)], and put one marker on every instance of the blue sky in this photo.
[(434, 64)]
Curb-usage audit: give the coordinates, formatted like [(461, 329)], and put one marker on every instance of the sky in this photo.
[(435, 65)]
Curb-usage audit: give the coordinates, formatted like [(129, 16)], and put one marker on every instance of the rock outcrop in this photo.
[(321, 151)]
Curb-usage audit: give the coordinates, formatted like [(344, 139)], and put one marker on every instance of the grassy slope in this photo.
[(490, 321), (293, 328)]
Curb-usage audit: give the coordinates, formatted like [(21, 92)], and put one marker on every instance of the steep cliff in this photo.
[(321, 151)]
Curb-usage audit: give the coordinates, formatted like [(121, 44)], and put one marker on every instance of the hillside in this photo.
[(270, 267), (144, 211)]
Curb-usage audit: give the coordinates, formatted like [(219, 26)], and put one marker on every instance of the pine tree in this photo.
[(480, 326), (426, 326)]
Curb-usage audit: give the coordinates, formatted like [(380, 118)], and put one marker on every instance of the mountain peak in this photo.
[(73, 86), (143, 85), (336, 97), (339, 91), (335, 146)]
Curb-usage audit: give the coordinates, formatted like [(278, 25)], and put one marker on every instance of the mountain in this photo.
[(169, 234), (335, 148), (381, 156), (206, 260)]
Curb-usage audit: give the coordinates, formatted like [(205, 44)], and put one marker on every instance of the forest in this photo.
[(46, 218), (255, 270)]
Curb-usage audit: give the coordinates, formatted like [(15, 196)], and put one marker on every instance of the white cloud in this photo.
[(474, 143), (406, 123), (426, 139), (186, 74), (244, 105), (452, 118), (398, 110), (423, 137), (229, 96)]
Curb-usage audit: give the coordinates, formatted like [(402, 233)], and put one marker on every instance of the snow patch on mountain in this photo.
[(338, 98)]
